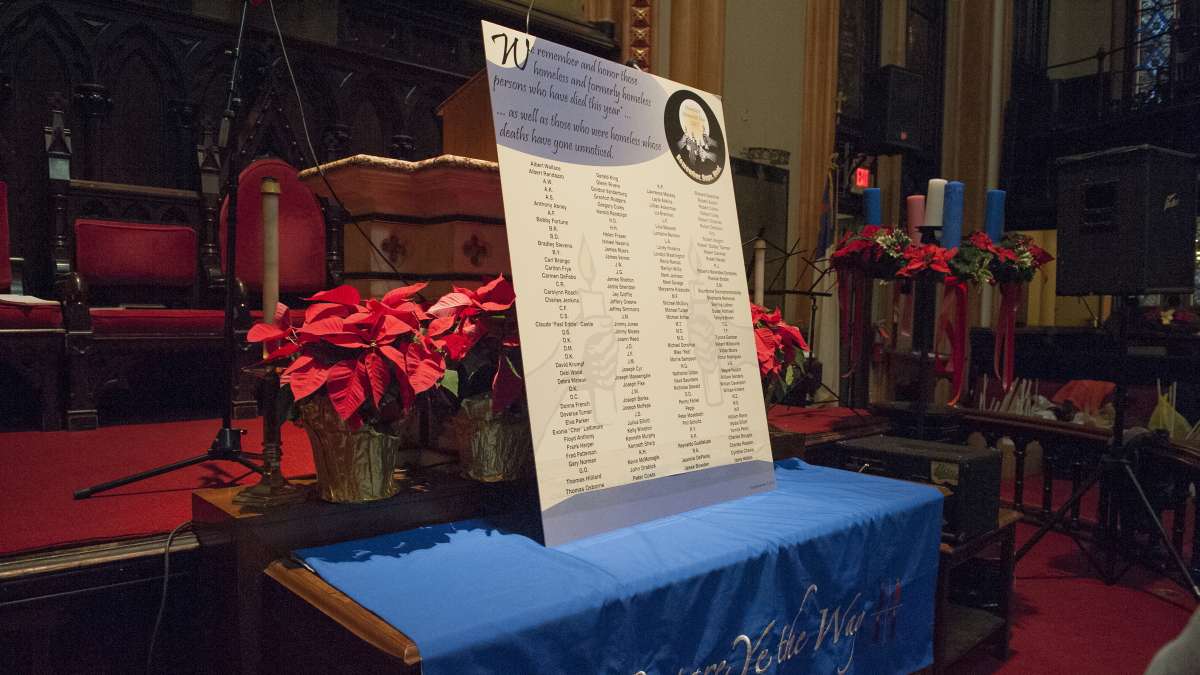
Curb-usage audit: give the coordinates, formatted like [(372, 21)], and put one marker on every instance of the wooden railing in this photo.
[(1080, 449)]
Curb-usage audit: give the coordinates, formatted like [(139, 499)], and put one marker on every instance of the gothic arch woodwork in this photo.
[(41, 53), (143, 80), (147, 76)]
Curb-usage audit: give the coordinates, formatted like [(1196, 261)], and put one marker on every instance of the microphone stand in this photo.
[(227, 446)]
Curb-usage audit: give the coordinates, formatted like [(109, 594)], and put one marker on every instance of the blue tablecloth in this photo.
[(833, 572)]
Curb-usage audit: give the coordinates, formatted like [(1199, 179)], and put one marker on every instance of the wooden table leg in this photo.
[(1019, 476), (939, 619), (1008, 564)]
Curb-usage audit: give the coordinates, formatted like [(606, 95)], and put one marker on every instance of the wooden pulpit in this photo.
[(441, 218)]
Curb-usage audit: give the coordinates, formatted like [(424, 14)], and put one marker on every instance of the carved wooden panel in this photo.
[(143, 77)]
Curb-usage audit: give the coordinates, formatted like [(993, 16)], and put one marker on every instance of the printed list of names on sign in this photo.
[(636, 342)]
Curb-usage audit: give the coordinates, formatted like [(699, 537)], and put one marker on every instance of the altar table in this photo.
[(833, 572)]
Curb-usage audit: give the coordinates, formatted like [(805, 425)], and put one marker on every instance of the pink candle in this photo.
[(916, 215)]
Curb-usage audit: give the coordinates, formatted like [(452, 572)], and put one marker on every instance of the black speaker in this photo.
[(1126, 222), (892, 111)]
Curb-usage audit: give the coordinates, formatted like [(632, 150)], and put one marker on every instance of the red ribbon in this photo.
[(1006, 332), (852, 288), (952, 325)]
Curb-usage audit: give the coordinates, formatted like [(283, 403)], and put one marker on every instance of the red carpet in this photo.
[(41, 470), (813, 420), (1066, 621)]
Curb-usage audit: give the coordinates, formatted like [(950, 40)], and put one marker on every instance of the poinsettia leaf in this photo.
[(344, 385), (507, 385), (450, 381), (345, 340), (320, 310), (362, 318), (450, 303), (409, 313), (765, 344), (393, 325), (286, 350), (497, 295), (305, 376), (395, 356), (282, 316), (379, 375), (425, 367), (260, 332), (440, 325), (342, 295), (330, 325), (397, 296)]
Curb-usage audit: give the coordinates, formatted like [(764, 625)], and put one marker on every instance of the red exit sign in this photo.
[(862, 178)]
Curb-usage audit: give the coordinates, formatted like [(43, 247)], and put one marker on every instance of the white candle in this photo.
[(934, 202), (270, 247)]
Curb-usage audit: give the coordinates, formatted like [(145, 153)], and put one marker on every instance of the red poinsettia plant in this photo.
[(926, 258), (876, 250), (974, 258), (782, 353), (476, 330), (371, 359), (1018, 258)]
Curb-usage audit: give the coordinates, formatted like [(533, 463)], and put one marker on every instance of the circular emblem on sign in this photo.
[(694, 137)]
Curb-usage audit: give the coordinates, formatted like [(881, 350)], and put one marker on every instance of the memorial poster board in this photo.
[(636, 340)]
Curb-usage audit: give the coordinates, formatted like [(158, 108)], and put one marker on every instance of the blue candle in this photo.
[(952, 215), (993, 222), (873, 206)]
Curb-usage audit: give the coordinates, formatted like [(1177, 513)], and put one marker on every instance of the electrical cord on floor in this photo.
[(312, 151), (162, 605)]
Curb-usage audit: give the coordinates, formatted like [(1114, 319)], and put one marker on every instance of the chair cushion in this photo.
[(5, 251), (116, 253), (301, 229), (30, 316), (296, 316), (161, 321)]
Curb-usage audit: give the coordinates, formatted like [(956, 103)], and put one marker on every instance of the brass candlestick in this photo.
[(273, 489)]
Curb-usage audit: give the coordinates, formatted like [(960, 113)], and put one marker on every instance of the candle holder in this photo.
[(273, 489)]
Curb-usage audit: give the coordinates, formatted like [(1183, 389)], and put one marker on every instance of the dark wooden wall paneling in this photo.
[(143, 78)]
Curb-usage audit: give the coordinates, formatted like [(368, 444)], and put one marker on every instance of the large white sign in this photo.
[(638, 350)]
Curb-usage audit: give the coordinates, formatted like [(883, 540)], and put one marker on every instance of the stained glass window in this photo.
[(1154, 21)]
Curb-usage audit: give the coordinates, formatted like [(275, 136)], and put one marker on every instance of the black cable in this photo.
[(162, 605), (312, 151)]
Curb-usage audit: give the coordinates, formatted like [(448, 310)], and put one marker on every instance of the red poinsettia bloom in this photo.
[(766, 344), (279, 336), (463, 318), (982, 241), (1040, 256), (772, 335), (463, 303), (356, 351), (922, 257)]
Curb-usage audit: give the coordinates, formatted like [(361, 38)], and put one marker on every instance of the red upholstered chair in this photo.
[(305, 251), (31, 334), (134, 266)]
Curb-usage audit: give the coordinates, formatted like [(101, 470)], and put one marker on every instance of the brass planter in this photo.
[(352, 466), (491, 447)]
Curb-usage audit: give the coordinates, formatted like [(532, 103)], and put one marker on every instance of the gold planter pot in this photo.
[(352, 466), (491, 448)]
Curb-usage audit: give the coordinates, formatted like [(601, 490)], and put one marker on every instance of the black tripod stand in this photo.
[(1115, 467), (227, 446)]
